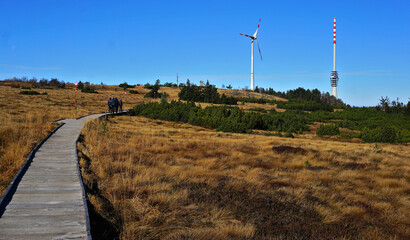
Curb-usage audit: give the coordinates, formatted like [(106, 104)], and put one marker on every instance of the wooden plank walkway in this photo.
[(48, 202)]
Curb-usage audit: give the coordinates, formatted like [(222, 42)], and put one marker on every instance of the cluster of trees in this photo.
[(385, 133), (223, 118), (154, 91), (125, 85), (303, 94), (394, 106), (42, 83), (158, 83), (86, 87), (208, 94)]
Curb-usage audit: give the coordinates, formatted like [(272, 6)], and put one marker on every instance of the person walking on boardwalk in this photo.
[(116, 104), (109, 105)]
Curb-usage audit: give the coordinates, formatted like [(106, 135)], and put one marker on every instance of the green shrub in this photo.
[(148, 86), (30, 93), (28, 88), (44, 93), (15, 86), (262, 110), (154, 92), (133, 92), (232, 126), (388, 134), (256, 100), (288, 135), (125, 85), (88, 89), (80, 85), (305, 105), (327, 129), (350, 135)]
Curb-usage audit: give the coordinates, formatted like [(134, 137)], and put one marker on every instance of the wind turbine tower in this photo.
[(253, 38), (334, 78)]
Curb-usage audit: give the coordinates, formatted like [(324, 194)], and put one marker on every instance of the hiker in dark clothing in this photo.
[(109, 105), (116, 105)]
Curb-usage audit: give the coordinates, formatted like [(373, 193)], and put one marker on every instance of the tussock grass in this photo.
[(176, 181)]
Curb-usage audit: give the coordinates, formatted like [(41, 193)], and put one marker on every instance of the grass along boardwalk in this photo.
[(48, 202)]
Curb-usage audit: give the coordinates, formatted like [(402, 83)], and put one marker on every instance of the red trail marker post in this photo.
[(75, 100)]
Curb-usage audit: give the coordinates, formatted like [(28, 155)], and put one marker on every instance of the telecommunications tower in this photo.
[(334, 78)]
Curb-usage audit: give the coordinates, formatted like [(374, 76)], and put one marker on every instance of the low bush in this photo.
[(327, 129), (350, 135), (305, 105), (148, 86), (256, 100), (154, 92), (261, 110), (27, 88), (288, 135), (30, 93), (15, 86), (88, 89), (133, 91), (125, 85), (388, 134)]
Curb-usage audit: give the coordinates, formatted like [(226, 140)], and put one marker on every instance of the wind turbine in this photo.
[(253, 38)]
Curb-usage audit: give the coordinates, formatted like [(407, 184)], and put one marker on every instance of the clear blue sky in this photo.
[(141, 41)]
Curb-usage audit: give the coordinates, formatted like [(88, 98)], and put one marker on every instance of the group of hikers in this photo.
[(114, 105)]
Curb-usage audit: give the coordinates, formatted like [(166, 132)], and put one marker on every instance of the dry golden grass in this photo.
[(161, 180)]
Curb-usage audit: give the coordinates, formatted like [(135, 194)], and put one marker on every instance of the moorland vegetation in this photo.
[(153, 179)]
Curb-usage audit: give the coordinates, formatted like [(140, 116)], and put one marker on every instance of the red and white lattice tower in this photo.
[(334, 78)]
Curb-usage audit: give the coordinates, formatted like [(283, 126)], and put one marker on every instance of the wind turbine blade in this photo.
[(244, 35), (257, 28), (257, 44)]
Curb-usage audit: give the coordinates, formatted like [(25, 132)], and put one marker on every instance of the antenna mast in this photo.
[(334, 78)]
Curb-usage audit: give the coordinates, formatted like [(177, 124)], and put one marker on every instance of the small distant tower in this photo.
[(334, 78), (201, 83), (177, 78)]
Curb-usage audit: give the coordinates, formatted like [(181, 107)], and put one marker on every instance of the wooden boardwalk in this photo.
[(48, 202)]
